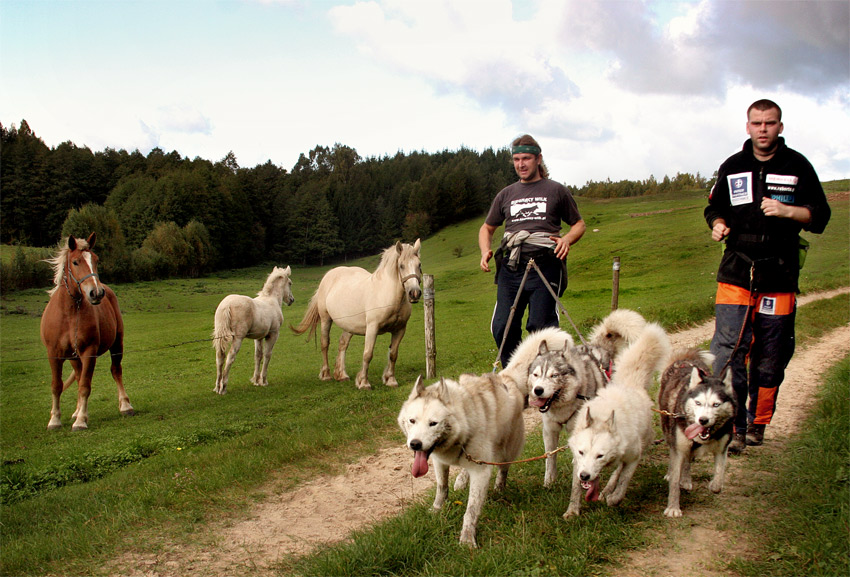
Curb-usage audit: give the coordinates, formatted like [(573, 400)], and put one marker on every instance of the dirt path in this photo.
[(380, 485)]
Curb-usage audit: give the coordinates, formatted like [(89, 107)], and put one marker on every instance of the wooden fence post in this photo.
[(615, 291), (430, 342)]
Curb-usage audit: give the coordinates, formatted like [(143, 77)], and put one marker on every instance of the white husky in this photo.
[(475, 417), (615, 427)]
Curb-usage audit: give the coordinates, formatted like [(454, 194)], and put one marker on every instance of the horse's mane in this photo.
[(276, 273), (58, 260), (389, 258)]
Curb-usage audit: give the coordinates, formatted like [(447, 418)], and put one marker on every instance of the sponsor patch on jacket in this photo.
[(782, 187), (740, 188), (782, 179)]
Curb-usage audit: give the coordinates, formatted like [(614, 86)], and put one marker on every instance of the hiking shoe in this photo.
[(738, 444), (755, 435)]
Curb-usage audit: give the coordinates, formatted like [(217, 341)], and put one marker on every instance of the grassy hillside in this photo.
[(72, 500)]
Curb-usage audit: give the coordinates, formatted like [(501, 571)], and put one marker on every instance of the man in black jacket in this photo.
[(763, 197)]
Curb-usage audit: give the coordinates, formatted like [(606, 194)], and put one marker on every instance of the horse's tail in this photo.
[(310, 321), (222, 333)]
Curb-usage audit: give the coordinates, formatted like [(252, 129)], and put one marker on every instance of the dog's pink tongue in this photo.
[(592, 490), (694, 430), (420, 464), (538, 402)]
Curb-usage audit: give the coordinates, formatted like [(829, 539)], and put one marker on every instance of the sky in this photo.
[(619, 90)]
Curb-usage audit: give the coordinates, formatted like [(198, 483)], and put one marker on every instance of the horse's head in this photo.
[(410, 270), (287, 285), (279, 285), (81, 268)]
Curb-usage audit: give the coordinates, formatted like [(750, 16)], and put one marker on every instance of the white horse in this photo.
[(238, 317), (368, 304)]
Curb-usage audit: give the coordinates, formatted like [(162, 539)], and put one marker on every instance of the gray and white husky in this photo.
[(476, 416), (559, 382), (697, 416), (614, 428)]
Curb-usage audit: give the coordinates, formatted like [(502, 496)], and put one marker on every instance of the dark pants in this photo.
[(758, 366), (542, 309)]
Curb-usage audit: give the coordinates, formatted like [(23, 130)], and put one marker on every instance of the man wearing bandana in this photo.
[(532, 211)]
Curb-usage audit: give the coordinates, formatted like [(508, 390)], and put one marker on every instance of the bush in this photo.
[(27, 270), (170, 251)]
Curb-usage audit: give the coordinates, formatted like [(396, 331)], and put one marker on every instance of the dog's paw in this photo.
[(614, 500), (672, 512), (571, 512), (716, 485), (467, 537), (686, 485)]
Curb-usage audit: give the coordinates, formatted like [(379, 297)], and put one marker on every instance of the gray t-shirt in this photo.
[(538, 206)]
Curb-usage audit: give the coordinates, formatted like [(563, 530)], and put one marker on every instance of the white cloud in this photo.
[(612, 88)]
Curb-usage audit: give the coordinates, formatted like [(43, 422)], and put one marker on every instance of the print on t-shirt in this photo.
[(525, 209)]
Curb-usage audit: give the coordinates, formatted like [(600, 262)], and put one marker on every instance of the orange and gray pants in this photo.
[(766, 347)]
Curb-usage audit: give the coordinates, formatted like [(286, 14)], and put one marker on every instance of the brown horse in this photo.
[(81, 322)]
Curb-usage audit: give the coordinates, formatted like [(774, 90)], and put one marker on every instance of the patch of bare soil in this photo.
[(327, 509)]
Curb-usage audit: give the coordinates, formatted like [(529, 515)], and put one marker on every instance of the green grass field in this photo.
[(72, 501)]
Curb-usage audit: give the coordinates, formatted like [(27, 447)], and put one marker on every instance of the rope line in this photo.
[(171, 346)]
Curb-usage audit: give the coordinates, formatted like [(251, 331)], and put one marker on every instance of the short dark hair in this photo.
[(764, 104), (528, 140)]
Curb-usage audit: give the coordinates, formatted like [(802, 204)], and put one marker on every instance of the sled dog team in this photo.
[(599, 392)]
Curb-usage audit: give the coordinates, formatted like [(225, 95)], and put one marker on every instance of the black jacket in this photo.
[(770, 242)]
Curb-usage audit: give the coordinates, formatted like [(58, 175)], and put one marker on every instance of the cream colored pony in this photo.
[(368, 304), (238, 317)]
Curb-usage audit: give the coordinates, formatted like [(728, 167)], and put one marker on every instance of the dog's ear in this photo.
[(696, 378), (418, 389), (543, 348), (443, 390), (589, 419), (612, 425)]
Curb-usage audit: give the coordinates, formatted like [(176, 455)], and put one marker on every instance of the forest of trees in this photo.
[(163, 215)]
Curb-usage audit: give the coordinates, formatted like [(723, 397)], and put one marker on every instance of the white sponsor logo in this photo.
[(781, 179), (768, 306), (740, 188)]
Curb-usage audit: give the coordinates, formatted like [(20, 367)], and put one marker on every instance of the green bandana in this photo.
[(526, 148)]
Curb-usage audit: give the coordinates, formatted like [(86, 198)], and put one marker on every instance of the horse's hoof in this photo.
[(128, 412), (364, 386), (391, 383), (54, 426), (80, 427)]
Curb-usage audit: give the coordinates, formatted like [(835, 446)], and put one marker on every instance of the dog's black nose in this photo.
[(584, 476), (538, 391), (703, 421), (416, 445)]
